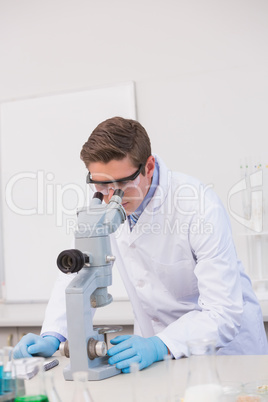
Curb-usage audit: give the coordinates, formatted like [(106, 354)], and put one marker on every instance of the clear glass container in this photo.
[(231, 391), (1, 369), (203, 383), (51, 389), (7, 381), (259, 389), (31, 371), (81, 392)]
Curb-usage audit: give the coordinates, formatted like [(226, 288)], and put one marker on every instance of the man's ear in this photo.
[(149, 167)]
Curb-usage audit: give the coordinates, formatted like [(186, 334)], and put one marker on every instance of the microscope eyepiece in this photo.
[(98, 195), (119, 192), (70, 261)]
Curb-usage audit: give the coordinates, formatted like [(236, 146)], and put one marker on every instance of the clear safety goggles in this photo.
[(125, 183)]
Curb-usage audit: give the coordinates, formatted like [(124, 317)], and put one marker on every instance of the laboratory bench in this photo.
[(160, 382), (17, 319)]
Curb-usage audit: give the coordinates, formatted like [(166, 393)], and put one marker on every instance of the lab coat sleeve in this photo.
[(55, 321), (55, 316), (219, 285)]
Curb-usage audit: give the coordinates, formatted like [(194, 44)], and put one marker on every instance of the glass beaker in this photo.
[(203, 382), (51, 389), (7, 380), (81, 392), (231, 391), (1, 369), (31, 370)]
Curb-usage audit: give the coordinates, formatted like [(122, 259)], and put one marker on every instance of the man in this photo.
[(175, 254)]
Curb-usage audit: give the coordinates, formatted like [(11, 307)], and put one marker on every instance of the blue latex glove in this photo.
[(36, 345), (135, 349)]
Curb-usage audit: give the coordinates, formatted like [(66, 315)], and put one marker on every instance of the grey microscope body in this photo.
[(93, 260)]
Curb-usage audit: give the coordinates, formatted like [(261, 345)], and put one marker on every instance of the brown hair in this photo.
[(117, 138)]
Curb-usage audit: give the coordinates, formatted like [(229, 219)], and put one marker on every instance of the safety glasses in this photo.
[(104, 186)]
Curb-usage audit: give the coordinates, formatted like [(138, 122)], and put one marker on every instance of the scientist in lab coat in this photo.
[(175, 254)]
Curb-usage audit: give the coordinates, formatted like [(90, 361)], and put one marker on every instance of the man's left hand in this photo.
[(135, 349)]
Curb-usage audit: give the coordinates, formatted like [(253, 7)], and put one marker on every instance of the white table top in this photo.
[(152, 383)]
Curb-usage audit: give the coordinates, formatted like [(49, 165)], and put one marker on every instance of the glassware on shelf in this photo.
[(253, 188)]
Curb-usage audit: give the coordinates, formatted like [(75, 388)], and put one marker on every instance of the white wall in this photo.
[(200, 68), (45, 183)]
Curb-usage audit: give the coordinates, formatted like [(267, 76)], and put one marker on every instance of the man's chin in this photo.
[(126, 208), (128, 213)]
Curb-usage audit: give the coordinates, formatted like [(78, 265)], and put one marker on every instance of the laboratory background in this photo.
[(194, 73)]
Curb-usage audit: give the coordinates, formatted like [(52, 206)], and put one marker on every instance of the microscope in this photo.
[(92, 260)]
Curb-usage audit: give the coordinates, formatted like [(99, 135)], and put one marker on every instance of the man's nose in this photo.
[(111, 193)]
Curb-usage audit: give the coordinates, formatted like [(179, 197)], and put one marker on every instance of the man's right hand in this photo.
[(35, 345)]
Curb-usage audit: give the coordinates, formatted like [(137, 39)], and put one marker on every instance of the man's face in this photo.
[(134, 190)]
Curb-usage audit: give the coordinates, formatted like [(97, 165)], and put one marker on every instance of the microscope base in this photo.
[(104, 370)]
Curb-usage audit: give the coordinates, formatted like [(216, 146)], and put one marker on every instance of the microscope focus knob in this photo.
[(64, 349), (96, 348), (110, 258), (101, 348)]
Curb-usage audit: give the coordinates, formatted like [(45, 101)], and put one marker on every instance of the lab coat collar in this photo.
[(162, 189)]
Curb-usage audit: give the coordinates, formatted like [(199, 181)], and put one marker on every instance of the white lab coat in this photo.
[(181, 272)]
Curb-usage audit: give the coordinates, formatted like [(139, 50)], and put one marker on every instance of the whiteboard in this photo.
[(44, 182)]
